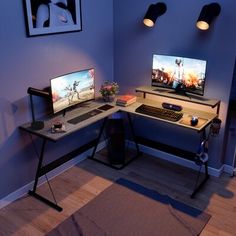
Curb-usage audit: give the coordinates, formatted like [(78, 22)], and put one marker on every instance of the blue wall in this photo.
[(32, 62), (175, 34)]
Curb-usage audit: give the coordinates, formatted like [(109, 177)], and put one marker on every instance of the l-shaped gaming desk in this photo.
[(46, 134)]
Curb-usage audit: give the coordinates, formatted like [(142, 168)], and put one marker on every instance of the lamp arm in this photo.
[(32, 107), (38, 92)]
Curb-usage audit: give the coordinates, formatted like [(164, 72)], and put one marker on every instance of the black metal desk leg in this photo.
[(38, 174), (99, 137), (133, 133), (114, 166), (197, 186), (39, 165)]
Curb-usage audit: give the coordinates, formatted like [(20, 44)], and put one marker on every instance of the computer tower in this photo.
[(115, 141)]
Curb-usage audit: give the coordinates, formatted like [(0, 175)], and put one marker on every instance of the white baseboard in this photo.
[(177, 160), (234, 172), (229, 170), (25, 189)]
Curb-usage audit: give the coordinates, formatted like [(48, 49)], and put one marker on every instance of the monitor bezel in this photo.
[(74, 104), (180, 91)]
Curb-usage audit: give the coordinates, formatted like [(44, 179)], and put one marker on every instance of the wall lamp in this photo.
[(208, 14), (154, 11)]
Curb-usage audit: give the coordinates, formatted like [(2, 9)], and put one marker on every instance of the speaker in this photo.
[(173, 107), (116, 141)]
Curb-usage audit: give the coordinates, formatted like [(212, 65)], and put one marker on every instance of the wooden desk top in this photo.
[(205, 118), (46, 132), (165, 92)]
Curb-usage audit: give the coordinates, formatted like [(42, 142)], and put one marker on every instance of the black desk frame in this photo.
[(192, 156), (198, 185), (42, 170), (210, 103)]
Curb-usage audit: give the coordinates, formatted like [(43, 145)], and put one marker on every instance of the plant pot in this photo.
[(109, 98)]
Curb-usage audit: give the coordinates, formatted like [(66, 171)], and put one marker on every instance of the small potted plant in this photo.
[(108, 91)]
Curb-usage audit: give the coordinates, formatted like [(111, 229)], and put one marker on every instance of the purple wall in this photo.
[(32, 62), (175, 34)]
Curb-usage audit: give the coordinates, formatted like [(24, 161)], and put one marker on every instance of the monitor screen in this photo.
[(179, 73), (71, 89)]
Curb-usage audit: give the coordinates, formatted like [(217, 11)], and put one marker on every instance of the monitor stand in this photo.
[(64, 112), (84, 104), (190, 96), (179, 92), (161, 90)]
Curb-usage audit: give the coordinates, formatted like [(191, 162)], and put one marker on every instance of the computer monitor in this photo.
[(181, 74), (71, 89)]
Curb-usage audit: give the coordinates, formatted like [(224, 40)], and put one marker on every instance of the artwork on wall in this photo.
[(52, 16)]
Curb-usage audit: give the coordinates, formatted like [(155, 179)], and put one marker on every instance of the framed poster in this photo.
[(52, 16)]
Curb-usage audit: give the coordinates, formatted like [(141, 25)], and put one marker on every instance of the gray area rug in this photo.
[(129, 209)]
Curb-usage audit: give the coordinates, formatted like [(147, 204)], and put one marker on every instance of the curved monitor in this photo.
[(179, 73), (71, 89)]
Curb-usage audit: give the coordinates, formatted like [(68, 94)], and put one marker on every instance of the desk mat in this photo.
[(186, 121)]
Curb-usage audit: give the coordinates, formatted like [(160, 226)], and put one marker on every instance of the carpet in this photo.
[(129, 209)]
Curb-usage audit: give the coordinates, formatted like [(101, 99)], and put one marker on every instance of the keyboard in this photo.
[(159, 113), (84, 116)]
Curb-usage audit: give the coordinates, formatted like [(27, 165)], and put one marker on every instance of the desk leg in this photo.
[(206, 177), (133, 134), (33, 192), (198, 187), (99, 137)]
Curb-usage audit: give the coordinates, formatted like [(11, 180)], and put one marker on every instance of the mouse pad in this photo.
[(105, 107), (187, 121)]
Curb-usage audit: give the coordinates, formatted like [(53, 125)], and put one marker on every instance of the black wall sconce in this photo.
[(208, 14), (154, 11)]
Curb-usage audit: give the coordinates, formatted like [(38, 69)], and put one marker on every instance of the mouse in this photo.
[(194, 120), (58, 125)]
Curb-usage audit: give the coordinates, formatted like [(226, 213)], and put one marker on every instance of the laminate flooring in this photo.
[(80, 184)]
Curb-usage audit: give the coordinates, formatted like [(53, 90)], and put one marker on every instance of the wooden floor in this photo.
[(77, 186)]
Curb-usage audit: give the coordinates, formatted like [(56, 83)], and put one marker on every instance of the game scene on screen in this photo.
[(175, 72), (71, 89)]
